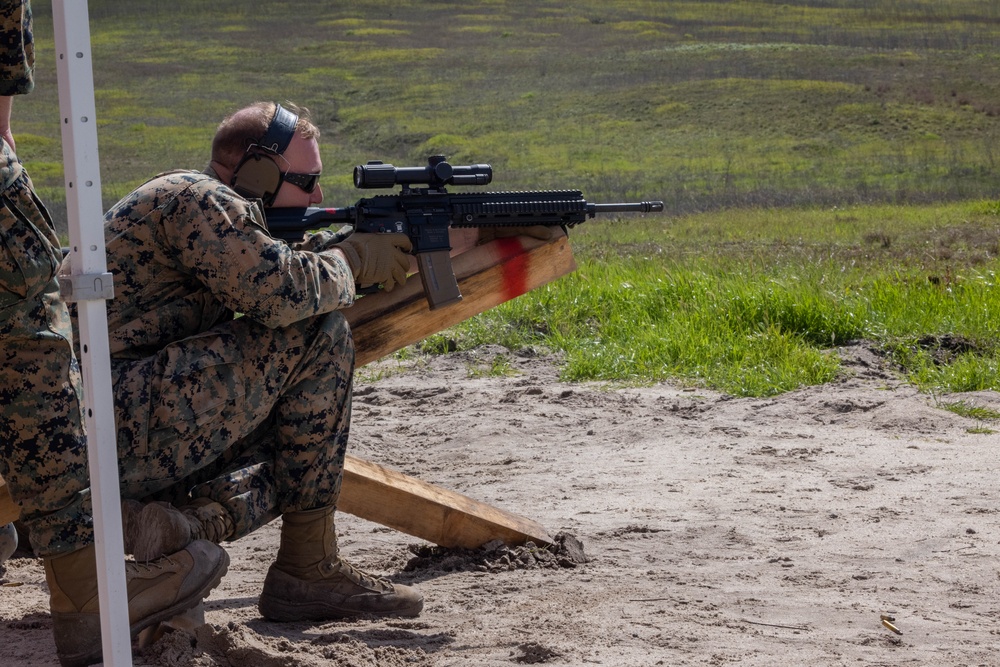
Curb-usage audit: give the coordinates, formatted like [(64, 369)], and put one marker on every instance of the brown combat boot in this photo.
[(156, 591), (308, 580), (155, 529)]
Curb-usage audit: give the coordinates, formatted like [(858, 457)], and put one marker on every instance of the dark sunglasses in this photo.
[(307, 182)]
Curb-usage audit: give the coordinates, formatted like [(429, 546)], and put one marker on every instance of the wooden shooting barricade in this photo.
[(383, 323)]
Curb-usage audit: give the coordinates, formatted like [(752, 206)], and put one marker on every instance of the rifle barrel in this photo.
[(637, 207)]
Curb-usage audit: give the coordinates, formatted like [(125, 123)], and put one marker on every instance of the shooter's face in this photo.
[(301, 157)]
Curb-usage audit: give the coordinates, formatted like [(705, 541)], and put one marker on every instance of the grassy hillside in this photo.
[(829, 167), (704, 104)]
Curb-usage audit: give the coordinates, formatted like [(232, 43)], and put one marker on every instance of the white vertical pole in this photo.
[(89, 285)]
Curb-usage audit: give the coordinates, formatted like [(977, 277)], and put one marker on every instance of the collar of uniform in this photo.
[(210, 171)]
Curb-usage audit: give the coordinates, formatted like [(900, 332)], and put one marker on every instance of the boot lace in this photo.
[(362, 578), (209, 521), (216, 528), (156, 564)]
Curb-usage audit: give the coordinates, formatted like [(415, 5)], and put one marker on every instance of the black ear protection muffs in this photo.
[(258, 175)]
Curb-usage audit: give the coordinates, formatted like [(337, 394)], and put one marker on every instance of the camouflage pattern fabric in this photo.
[(17, 48), (251, 411), (257, 418), (43, 456)]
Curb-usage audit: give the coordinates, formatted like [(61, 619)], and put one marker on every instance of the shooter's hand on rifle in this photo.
[(377, 258)]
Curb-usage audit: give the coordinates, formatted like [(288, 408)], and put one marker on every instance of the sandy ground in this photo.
[(718, 531)]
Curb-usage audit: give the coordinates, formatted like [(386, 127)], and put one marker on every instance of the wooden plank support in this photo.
[(430, 512), (488, 275), (383, 323)]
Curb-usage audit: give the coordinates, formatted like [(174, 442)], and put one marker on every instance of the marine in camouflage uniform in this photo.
[(43, 456), (232, 366), (250, 411)]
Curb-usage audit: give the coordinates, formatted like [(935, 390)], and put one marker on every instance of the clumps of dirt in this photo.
[(235, 645), (533, 653), (631, 529), (945, 348), (564, 552)]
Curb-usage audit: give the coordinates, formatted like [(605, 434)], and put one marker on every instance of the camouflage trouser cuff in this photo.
[(64, 530), (248, 494)]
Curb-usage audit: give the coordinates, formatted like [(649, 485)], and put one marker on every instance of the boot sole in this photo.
[(88, 626), (284, 611)]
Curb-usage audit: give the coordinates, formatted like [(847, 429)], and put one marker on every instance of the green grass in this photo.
[(973, 411), (754, 302), (498, 366), (706, 105), (980, 414), (830, 168)]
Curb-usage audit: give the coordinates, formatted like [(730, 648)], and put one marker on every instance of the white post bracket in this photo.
[(87, 286)]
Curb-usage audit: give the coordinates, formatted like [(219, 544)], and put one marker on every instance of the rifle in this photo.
[(426, 213)]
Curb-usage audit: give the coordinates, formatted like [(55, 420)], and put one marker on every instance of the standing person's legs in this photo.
[(43, 449), (43, 454)]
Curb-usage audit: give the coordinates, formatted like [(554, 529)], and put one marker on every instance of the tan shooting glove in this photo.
[(542, 232), (378, 258)]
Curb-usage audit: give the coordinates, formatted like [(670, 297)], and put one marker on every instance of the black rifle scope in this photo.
[(436, 174)]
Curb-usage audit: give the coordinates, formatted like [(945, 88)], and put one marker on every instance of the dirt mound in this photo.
[(565, 551)]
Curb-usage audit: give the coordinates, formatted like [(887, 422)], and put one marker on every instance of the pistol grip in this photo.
[(438, 278)]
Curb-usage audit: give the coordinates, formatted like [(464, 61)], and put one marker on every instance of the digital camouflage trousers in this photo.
[(43, 455), (254, 418)]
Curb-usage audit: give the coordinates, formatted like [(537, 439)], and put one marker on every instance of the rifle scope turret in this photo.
[(436, 174)]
